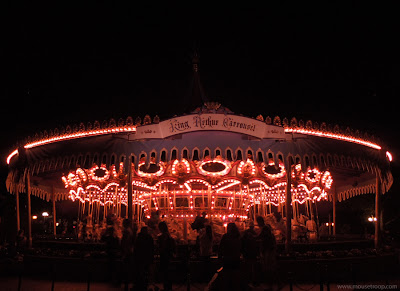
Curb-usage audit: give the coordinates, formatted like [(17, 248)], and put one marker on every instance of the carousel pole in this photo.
[(53, 200), (261, 203), (28, 193), (209, 199), (280, 206), (377, 238), (270, 207), (17, 207), (334, 213), (288, 202), (130, 202), (202, 196)]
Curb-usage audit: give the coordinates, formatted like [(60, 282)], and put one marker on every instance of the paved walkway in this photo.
[(31, 284)]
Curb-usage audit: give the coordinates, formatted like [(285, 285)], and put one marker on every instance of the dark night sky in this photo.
[(74, 63), (66, 64)]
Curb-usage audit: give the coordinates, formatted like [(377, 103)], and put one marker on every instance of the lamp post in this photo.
[(45, 214)]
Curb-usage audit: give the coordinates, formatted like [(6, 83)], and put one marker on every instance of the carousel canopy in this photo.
[(210, 147)]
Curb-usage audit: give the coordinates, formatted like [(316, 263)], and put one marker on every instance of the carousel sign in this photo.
[(210, 122)]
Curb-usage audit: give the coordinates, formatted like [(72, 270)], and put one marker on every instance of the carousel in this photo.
[(210, 163)]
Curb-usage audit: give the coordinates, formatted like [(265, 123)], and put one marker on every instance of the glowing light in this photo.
[(72, 179), (225, 171), (80, 135), (149, 175), (327, 179), (34, 217), (187, 186), (100, 174), (313, 175), (96, 184), (389, 156), (246, 167), (227, 186), (180, 167), (223, 198), (45, 214), (82, 175), (76, 135), (281, 173), (10, 156), (333, 136)]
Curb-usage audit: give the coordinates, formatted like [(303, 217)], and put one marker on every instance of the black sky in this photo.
[(69, 63)]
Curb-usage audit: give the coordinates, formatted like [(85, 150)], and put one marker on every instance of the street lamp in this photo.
[(45, 214), (372, 219), (330, 226)]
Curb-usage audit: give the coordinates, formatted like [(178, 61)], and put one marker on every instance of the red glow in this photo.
[(333, 136), (389, 156), (73, 136), (10, 156)]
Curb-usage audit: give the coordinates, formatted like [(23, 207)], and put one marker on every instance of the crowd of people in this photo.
[(236, 252), (252, 251), (254, 246), (137, 250)]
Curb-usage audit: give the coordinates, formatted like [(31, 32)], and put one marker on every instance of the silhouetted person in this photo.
[(206, 242), (250, 251), (199, 221), (126, 249), (267, 244), (127, 240), (143, 258), (20, 242), (206, 245), (112, 248), (166, 245), (229, 252)]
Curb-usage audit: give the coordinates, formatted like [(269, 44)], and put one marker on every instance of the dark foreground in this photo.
[(33, 284), (337, 266)]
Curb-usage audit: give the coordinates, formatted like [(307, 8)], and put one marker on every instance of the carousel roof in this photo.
[(211, 131)]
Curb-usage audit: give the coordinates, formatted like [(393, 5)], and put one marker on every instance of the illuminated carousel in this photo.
[(211, 163), (229, 167), (182, 187)]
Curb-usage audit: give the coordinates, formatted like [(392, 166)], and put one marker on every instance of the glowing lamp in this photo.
[(34, 217), (45, 214)]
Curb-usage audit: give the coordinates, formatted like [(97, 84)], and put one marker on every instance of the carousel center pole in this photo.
[(377, 238), (130, 202), (288, 202)]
